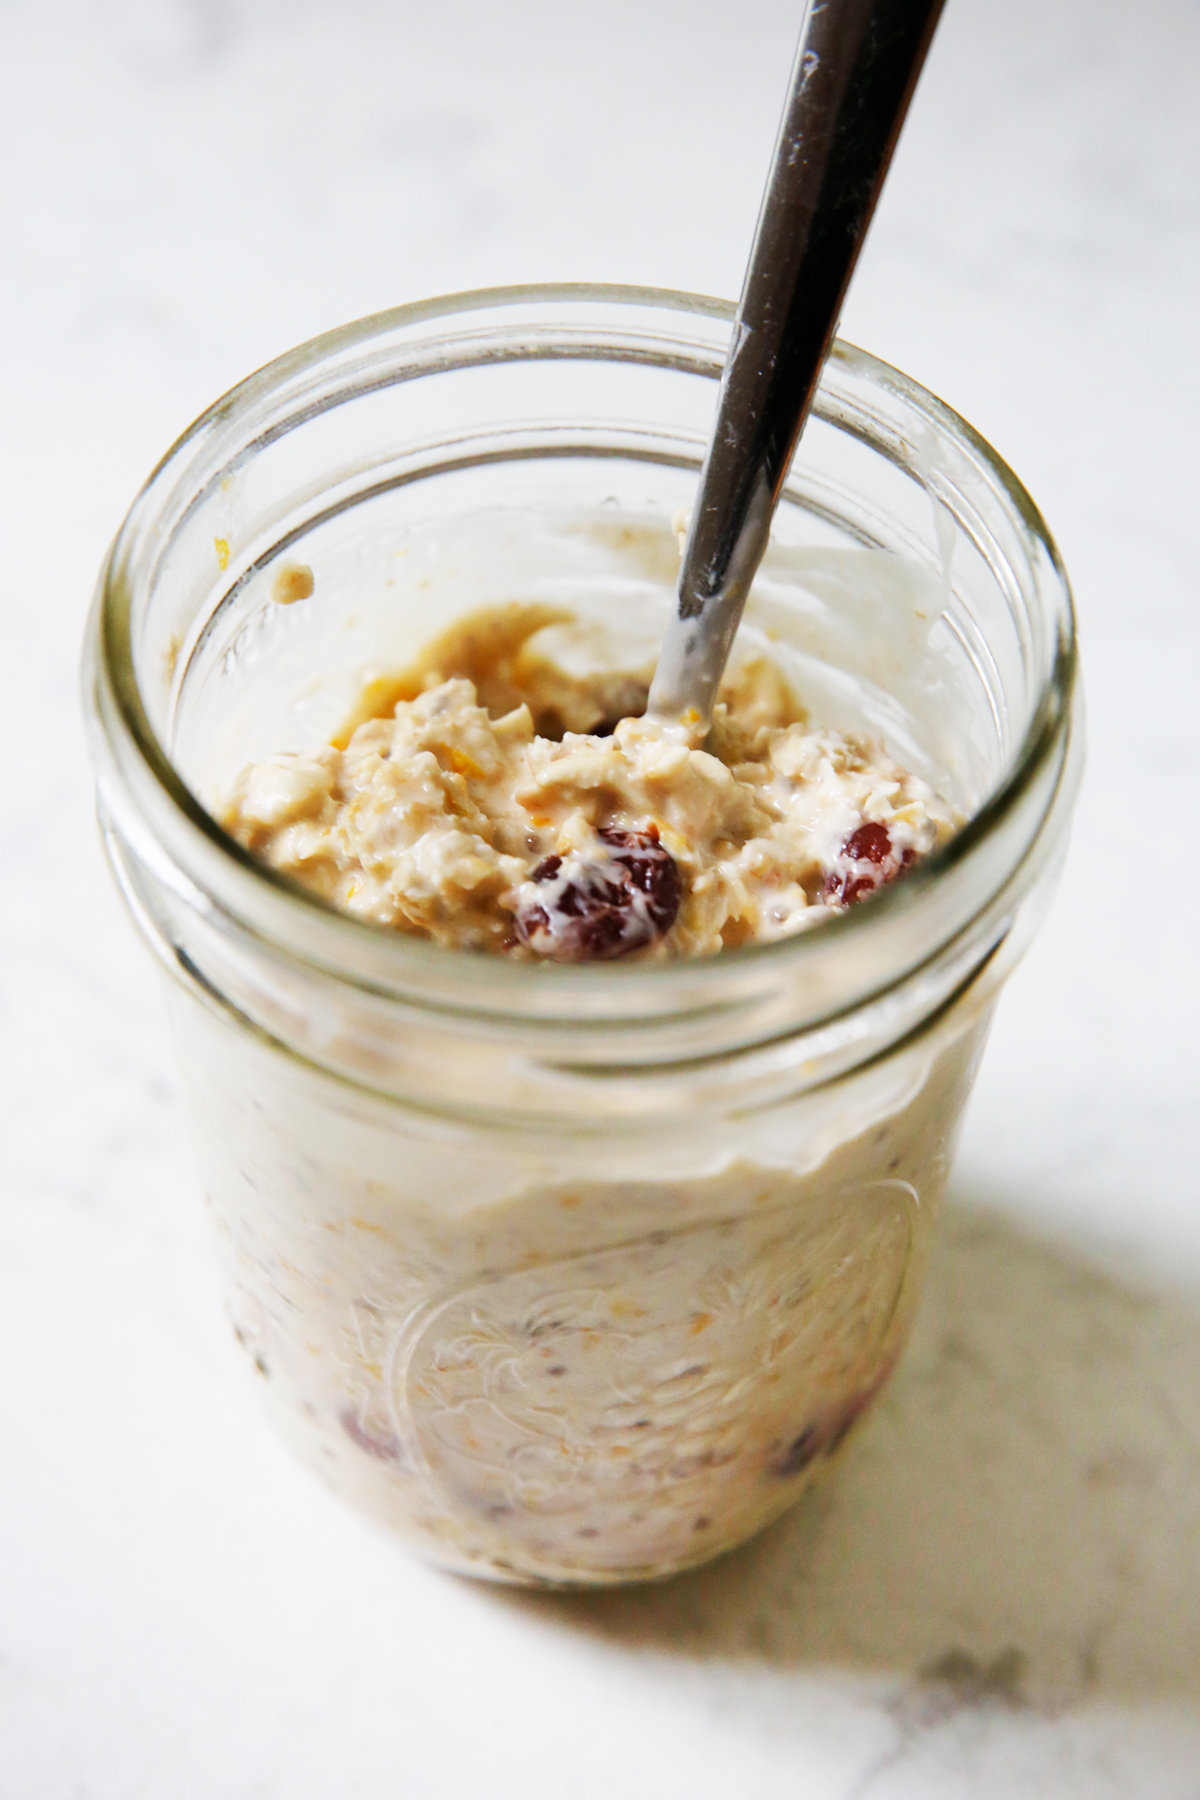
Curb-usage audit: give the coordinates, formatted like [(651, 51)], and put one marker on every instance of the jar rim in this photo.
[(381, 959)]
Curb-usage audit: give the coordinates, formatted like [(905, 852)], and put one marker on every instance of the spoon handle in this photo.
[(854, 75)]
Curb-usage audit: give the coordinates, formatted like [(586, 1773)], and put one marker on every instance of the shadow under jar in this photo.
[(571, 1273)]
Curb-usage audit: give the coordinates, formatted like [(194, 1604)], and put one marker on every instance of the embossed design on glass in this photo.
[(593, 1409)]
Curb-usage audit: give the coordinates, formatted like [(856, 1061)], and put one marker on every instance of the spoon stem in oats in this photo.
[(855, 70)]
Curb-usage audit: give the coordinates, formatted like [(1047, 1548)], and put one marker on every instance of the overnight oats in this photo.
[(459, 808), (573, 1101)]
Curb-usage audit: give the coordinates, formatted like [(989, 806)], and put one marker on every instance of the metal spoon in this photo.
[(854, 75)]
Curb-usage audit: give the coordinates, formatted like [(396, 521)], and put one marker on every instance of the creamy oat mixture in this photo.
[(544, 1360), (489, 800)]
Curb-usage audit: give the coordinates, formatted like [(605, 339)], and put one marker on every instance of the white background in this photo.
[(999, 1594)]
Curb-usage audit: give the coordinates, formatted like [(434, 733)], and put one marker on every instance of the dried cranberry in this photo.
[(870, 843), (824, 1437), (593, 908), (386, 1447), (799, 1453), (867, 860)]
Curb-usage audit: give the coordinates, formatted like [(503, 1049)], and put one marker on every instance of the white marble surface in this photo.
[(1000, 1592)]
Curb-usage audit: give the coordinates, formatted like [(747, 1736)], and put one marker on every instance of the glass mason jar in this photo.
[(571, 1273)]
